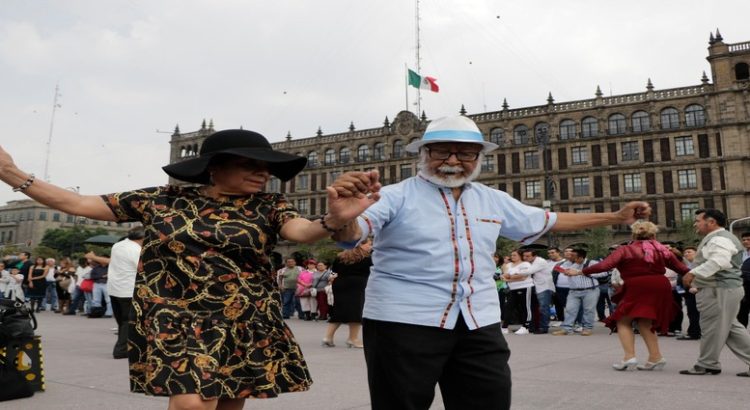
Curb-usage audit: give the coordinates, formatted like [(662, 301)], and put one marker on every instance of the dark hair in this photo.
[(531, 251), (28, 254), (690, 247), (136, 233), (580, 252), (554, 248), (714, 214), (745, 234)]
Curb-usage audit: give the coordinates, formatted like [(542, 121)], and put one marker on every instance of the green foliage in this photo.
[(687, 234), (504, 246), (45, 252), (69, 241), (598, 241), (325, 250)]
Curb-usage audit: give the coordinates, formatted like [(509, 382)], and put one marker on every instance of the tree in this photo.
[(45, 252), (505, 246), (598, 240), (69, 241), (687, 234), (325, 250)]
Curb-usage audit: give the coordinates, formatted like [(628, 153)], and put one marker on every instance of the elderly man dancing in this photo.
[(431, 312)]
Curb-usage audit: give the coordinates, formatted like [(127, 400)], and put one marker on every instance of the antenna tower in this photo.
[(55, 106)]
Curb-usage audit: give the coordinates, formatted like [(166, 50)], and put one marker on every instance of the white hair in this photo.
[(449, 181)]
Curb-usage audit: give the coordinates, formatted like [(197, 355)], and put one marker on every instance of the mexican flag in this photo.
[(423, 82)]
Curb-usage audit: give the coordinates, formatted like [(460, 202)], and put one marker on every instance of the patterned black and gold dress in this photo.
[(207, 314)]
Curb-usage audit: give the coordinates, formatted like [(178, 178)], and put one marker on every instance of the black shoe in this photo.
[(120, 356), (699, 371), (687, 337), (743, 374)]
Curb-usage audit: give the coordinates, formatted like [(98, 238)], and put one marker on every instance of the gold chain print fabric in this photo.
[(207, 310)]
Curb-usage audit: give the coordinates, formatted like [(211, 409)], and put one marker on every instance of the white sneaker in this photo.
[(522, 331), (505, 330), (578, 329)]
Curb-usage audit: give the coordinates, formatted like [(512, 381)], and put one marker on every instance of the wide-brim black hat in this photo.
[(243, 143)]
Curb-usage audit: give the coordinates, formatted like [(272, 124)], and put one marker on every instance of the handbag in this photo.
[(17, 321), (14, 383), (87, 285)]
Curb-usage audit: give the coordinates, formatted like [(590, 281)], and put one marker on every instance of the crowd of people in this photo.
[(205, 321)]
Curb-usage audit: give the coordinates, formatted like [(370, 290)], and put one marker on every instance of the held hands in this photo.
[(351, 194), (572, 272), (687, 280), (633, 211)]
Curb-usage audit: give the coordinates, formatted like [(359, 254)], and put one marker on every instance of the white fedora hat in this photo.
[(452, 129)]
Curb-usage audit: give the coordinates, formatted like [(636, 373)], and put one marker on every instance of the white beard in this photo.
[(452, 176)]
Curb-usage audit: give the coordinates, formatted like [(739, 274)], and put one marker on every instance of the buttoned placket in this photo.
[(459, 225)]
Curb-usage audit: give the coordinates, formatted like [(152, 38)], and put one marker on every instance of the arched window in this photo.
[(344, 155), (521, 135), (695, 116), (497, 136), (670, 118), (567, 129), (183, 152), (741, 72), (616, 124), (330, 157), (363, 153), (312, 159), (410, 141), (589, 127), (640, 121), (378, 151), (398, 149), (541, 132)]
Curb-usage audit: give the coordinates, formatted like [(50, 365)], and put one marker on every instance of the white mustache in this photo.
[(448, 169)]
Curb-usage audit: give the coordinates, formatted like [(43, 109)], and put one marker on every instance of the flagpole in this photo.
[(419, 63), (406, 85)]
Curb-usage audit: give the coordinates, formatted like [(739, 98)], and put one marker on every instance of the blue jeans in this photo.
[(101, 297), (545, 300), (578, 299), (287, 303), (50, 295)]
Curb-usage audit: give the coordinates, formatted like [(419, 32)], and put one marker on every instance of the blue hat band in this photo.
[(467, 136)]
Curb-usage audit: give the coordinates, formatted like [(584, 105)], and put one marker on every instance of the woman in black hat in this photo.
[(207, 328)]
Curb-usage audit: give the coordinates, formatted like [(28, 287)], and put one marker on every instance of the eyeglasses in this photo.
[(441, 154)]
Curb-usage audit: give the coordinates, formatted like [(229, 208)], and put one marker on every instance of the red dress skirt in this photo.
[(645, 297)]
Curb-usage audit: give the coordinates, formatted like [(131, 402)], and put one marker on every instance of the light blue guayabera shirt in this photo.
[(432, 255)]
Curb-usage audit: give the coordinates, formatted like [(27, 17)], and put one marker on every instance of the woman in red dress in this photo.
[(645, 296)]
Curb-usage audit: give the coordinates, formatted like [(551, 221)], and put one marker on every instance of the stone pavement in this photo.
[(549, 372)]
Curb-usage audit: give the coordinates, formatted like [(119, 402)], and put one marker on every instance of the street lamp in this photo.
[(77, 190), (542, 138)]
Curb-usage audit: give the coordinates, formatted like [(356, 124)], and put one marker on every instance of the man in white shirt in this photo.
[(544, 287), (717, 277), (122, 268)]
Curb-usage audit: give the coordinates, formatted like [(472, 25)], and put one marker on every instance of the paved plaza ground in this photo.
[(549, 372)]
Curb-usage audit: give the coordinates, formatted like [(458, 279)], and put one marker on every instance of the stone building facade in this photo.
[(24, 222), (679, 149)]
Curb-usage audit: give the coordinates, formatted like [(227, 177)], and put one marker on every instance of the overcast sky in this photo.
[(129, 71)]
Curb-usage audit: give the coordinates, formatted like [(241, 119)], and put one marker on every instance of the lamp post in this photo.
[(542, 138), (77, 190)]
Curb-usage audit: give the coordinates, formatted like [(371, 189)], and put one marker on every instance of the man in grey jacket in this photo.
[(716, 274)]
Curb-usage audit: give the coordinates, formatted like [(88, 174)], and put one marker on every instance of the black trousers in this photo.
[(122, 311), (694, 326), (405, 362), (744, 304)]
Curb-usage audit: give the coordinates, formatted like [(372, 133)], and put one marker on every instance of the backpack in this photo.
[(602, 280)]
